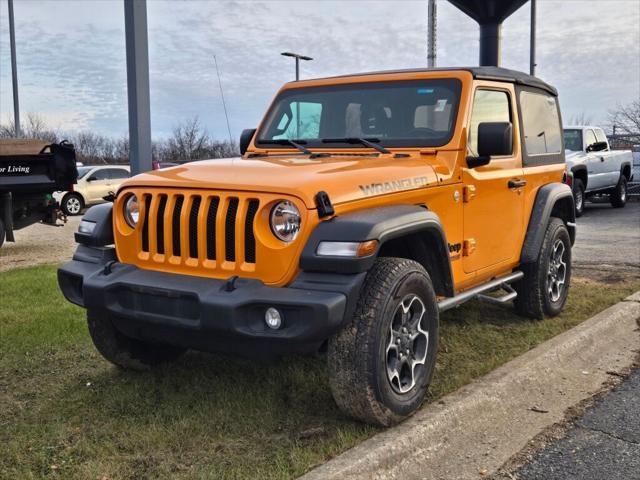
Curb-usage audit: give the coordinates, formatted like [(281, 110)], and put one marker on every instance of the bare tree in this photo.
[(33, 126), (581, 119), (626, 119)]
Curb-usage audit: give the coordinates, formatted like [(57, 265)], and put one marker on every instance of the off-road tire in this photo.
[(357, 355), (578, 196), (72, 204), (618, 197), (534, 299), (125, 352), (3, 232)]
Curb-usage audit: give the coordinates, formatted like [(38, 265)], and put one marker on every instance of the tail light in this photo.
[(567, 178)]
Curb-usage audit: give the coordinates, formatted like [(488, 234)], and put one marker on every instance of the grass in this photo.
[(66, 413)]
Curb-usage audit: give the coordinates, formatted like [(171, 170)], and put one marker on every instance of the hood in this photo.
[(573, 157), (343, 177)]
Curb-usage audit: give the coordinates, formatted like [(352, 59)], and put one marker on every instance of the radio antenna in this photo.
[(224, 105)]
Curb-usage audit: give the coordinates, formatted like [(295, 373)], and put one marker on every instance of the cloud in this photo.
[(72, 54)]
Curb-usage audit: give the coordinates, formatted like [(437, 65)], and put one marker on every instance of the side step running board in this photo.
[(479, 291)]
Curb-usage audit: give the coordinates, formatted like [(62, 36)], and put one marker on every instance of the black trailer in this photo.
[(27, 183)]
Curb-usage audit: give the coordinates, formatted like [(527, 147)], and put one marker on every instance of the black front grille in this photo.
[(145, 223), (249, 234), (211, 228), (160, 224), (177, 213), (230, 231), (193, 228), (217, 223)]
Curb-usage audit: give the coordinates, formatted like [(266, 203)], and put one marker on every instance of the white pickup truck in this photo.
[(596, 168)]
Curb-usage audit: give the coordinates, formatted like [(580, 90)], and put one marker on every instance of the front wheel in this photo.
[(381, 363), (126, 352), (545, 286), (72, 204), (578, 196), (618, 197)]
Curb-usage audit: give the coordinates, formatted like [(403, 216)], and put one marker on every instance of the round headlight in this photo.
[(285, 221), (132, 211)]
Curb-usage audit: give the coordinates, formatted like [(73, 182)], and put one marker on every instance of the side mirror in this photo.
[(494, 138), (597, 147), (91, 179), (245, 139)]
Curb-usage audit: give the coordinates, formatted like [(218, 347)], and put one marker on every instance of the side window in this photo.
[(302, 122), (488, 106), (101, 174), (118, 173), (600, 136), (589, 138), (540, 123)]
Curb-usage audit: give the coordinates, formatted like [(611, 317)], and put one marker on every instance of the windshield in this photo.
[(82, 171), (573, 139), (419, 113)]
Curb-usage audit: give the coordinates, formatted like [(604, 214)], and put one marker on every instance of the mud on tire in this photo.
[(368, 362), (125, 352), (545, 286)]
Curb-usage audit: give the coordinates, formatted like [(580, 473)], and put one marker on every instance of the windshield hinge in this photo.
[(323, 204)]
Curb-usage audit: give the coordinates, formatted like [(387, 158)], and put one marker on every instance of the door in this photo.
[(596, 164), (98, 185), (493, 200), (116, 177), (610, 167)]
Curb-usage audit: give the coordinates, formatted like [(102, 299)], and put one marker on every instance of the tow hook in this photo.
[(108, 266), (230, 286)]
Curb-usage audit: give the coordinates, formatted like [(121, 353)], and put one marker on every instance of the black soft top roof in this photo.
[(482, 73)]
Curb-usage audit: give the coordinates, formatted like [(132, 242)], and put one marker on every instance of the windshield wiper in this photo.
[(286, 141), (367, 142)]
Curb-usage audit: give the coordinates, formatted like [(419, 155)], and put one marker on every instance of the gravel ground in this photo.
[(40, 244), (608, 241)]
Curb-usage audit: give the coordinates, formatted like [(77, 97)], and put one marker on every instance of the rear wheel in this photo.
[(545, 286), (125, 352), (578, 196), (618, 197), (381, 363), (72, 204)]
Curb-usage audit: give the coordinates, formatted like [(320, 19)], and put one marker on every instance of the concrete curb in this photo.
[(475, 430)]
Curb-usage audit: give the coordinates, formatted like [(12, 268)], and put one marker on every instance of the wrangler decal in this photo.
[(393, 186)]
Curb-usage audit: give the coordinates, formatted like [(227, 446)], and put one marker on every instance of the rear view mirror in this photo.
[(597, 147), (494, 139), (245, 139)]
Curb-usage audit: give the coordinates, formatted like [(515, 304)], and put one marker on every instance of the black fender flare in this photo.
[(553, 199), (581, 168), (102, 234), (383, 224)]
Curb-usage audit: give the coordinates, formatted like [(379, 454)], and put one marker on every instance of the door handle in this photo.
[(602, 159), (516, 183)]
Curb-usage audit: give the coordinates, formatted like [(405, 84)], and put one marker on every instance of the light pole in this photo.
[(14, 71), (298, 57)]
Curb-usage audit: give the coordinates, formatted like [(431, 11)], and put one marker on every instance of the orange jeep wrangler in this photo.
[(362, 207)]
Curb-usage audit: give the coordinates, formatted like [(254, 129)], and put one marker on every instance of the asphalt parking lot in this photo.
[(608, 241)]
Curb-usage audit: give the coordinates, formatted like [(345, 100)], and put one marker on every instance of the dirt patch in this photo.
[(40, 244)]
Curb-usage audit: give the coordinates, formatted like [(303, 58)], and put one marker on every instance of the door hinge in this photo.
[(468, 247), (468, 192)]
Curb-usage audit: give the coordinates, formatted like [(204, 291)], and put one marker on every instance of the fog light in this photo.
[(272, 318)]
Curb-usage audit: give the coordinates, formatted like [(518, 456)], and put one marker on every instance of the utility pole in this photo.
[(14, 71), (298, 57), (532, 46), (432, 34), (135, 22)]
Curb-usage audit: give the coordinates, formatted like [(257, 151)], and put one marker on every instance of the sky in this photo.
[(72, 72)]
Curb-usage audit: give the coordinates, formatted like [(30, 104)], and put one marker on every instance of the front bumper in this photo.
[(207, 314)]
